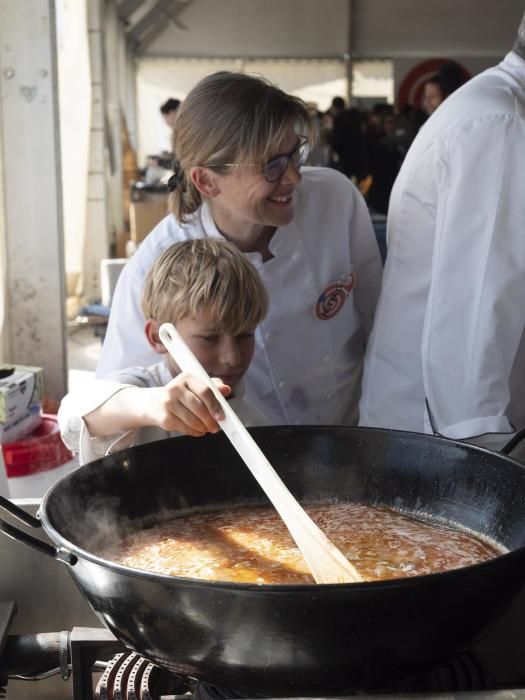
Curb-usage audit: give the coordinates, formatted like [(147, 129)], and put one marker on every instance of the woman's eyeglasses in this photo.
[(275, 168)]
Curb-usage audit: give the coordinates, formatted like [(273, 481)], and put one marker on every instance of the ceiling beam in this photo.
[(171, 14), (155, 17), (127, 7)]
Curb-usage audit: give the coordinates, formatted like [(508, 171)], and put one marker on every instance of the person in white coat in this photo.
[(240, 144), (447, 352)]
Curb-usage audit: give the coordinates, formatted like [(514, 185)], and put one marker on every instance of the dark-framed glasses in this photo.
[(275, 168)]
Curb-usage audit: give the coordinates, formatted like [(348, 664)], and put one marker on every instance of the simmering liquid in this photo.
[(251, 544)]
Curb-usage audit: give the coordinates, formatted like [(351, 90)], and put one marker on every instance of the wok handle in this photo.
[(513, 442), (21, 536), (19, 513)]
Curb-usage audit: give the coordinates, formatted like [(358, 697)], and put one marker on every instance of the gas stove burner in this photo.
[(129, 676), (466, 673)]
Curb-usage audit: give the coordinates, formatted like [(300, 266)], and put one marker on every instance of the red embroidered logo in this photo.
[(331, 299)]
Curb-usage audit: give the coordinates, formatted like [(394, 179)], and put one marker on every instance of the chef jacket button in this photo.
[(282, 384), (267, 336), (296, 256), (326, 358)]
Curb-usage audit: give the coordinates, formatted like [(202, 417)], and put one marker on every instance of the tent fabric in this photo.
[(158, 79)]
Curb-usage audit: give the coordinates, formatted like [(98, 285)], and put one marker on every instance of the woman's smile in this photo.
[(281, 200)]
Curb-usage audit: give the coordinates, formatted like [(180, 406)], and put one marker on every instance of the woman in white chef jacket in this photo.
[(240, 144)]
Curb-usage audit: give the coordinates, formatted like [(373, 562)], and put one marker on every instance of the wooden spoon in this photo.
[(326, 563)]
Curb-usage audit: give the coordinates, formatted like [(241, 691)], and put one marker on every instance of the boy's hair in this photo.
[(205, 275)]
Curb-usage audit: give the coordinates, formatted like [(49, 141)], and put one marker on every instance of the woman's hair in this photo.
[(230, 118), (205, 275), (452, 77), (436, 80)]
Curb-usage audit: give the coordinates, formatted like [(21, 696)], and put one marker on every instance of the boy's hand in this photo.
[(185, 405)]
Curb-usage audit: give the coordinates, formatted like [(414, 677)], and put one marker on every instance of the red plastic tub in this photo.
[(32, 463)]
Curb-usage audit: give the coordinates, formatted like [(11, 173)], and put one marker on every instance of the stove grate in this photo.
[(130, 676)]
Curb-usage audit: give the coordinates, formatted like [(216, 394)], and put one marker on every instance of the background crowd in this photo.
[(369, 145)]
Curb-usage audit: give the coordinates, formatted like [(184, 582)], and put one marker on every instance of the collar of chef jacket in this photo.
[(281, 243)]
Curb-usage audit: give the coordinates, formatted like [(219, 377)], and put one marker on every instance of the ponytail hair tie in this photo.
[(177, 178)]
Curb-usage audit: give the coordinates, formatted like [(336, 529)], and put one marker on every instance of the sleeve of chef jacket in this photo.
[(366, 261), (73, 430), (475, 315)]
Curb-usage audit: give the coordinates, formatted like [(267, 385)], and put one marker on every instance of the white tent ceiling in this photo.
[(320, 28)]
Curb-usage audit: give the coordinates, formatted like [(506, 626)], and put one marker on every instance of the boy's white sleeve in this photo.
[(73, 429)]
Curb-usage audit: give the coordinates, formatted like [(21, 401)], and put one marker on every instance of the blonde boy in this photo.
[(214, 297)]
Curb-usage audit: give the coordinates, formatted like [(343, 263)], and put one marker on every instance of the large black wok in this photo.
[(293, 640)]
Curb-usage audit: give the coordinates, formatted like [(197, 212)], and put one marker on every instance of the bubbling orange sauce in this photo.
[(252, 545)]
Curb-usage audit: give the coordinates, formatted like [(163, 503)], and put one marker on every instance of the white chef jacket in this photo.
[(76, 405), (447, 352), (305, 370)]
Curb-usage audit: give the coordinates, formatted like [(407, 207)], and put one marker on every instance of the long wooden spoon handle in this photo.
[(326, 562)]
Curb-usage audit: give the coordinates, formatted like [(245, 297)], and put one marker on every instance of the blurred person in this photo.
[(385, 154), (410, 121), (159, 165), (320, 151), (449, 77), (447, 352), (169, 111), (433, 94), (347, 139), (453, 76), (337, 105)]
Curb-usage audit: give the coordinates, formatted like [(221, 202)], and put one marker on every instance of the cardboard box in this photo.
[(145, 213), (21, 393)]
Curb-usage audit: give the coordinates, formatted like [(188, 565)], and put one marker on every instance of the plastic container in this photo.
[(34, 463), (4, 486)]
